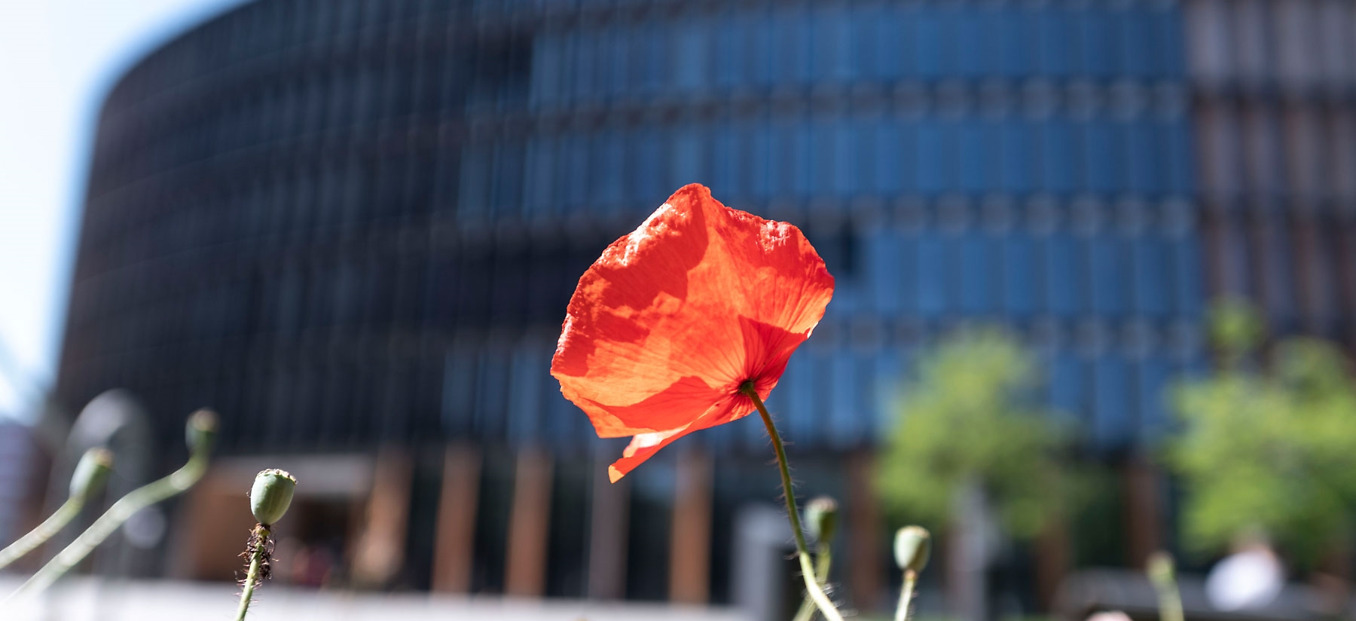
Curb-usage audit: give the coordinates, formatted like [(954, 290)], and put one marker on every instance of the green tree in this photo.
[(1266, 446), (969, 418)]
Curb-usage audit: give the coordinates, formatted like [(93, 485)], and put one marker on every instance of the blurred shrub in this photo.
[(969, 417), (1266, 446)]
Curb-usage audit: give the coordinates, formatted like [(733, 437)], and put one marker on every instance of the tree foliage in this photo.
[(1267, 446), (968, 416)]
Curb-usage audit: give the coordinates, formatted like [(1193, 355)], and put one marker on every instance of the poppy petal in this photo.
[(672, 318)]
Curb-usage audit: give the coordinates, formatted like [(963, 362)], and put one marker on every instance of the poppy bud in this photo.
[(821, 518), (91, 473), (202, 429), (913, 544), (271, 495), (1159, 567)]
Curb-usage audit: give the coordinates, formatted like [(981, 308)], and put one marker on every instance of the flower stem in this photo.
[(823, 559), (807, 571), (44, 531), (258, 548), (136, 500), (906, 595)]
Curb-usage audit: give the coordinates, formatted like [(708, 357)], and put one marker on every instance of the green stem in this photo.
[(823, 559), (44, 531), (136, 500), (1169, 601), (259, 541), (807, 571), (906, 596)]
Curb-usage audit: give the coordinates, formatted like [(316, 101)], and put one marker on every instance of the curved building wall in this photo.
[(347, 221)]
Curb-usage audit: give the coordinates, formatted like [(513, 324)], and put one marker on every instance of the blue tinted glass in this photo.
[(475, 181), (1137, 60), (760, 49), (546, 74), (864, 55), (1053, 42), (968, 43), (831, 59), (1014, 47), (1097, 42), (1068, 384), (932, 274), (1187, 264), (883, 268), (523, 396), (1108, 275), (727, 166), (934, 167), (686, 156), (865, 133), (575, 171), (1177, 157), (610, 162), (731, 41), (908, 270), (781, 160), (1141, 161), (892, 41), (690, 56), (1062, 289), (1111, 419), (1155, 377), (928, 44), (585, 66), (1168, 40), (759, 137), (803, 180), (975, 285), (1152, 275), (890, 168), (646, 153), (974, 158), (1057, 160), (794, 398), (846, 415), (845, 149), (508, 175), (821, 153), (1017, 150), (1018, 269), (539, 176), (1100, 157)]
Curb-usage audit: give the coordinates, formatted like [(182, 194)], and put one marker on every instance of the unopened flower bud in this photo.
[(91, 473), (271, 495), (913, 544), (821, 518), (1160, 568), (202, 429)]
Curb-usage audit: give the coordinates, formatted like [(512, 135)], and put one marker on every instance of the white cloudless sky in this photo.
[(57, 60)]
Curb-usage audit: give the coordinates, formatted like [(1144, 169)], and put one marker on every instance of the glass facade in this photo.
[(341, 219)]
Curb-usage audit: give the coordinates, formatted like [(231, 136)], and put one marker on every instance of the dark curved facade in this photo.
[(351, 224)]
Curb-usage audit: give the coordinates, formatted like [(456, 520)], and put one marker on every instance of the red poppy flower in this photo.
[(673, 319)]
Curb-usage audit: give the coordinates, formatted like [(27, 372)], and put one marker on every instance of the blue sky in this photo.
[(57, 59)]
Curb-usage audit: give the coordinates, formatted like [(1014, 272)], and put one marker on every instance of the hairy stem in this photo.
[(136, 500), (258, 548), (806, 569), (906, 596), (823, 560), (44, 531)]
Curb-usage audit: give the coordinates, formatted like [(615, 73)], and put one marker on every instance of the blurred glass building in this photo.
[(353, 226)]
